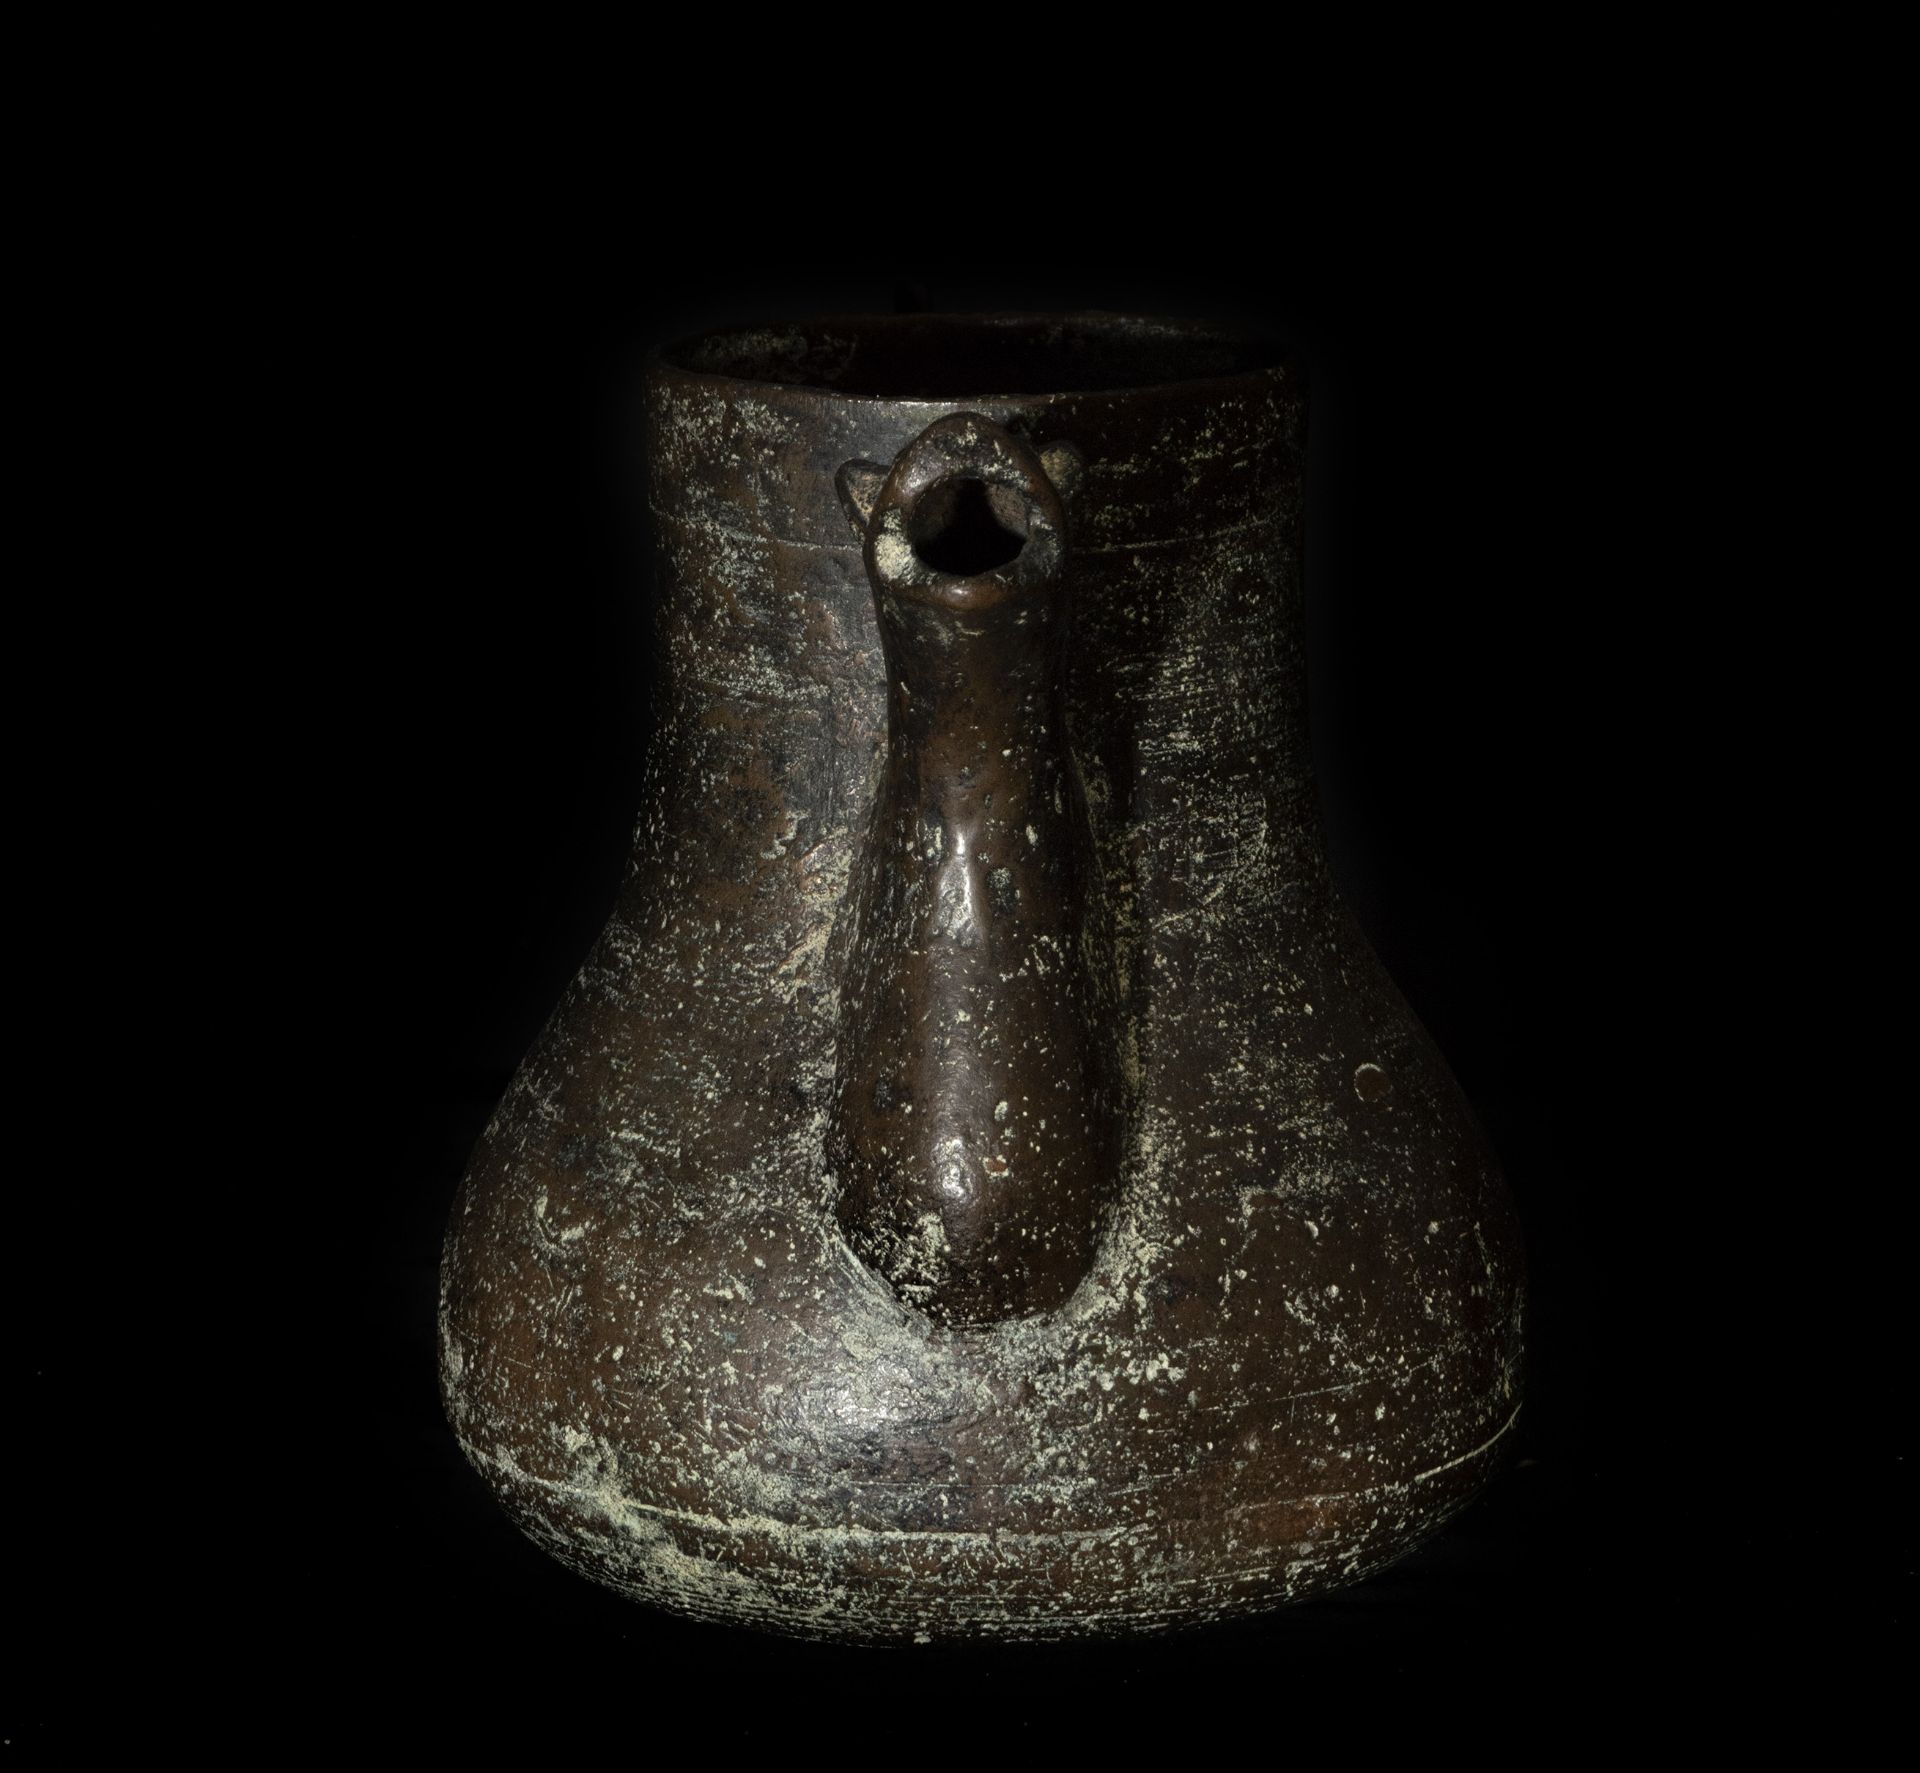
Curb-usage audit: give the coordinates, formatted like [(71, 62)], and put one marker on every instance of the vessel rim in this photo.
[(1281, 364)]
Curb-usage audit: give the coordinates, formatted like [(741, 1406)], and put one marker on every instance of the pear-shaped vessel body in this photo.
[(981, 1183)]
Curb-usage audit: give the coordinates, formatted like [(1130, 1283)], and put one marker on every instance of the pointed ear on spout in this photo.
[(859, 484), (1064, 465)]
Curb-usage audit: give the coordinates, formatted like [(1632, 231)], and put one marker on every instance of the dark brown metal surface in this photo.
[(981, 1183)]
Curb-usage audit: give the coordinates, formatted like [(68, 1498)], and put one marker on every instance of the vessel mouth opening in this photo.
[(963, 527), (958, 357)]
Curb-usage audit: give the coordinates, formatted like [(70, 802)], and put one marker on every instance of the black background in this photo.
[(1487, 589)]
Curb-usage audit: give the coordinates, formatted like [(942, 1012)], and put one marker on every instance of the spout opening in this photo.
[(964, 527)]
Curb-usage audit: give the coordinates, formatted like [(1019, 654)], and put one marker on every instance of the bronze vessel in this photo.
[(981, 1183)]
